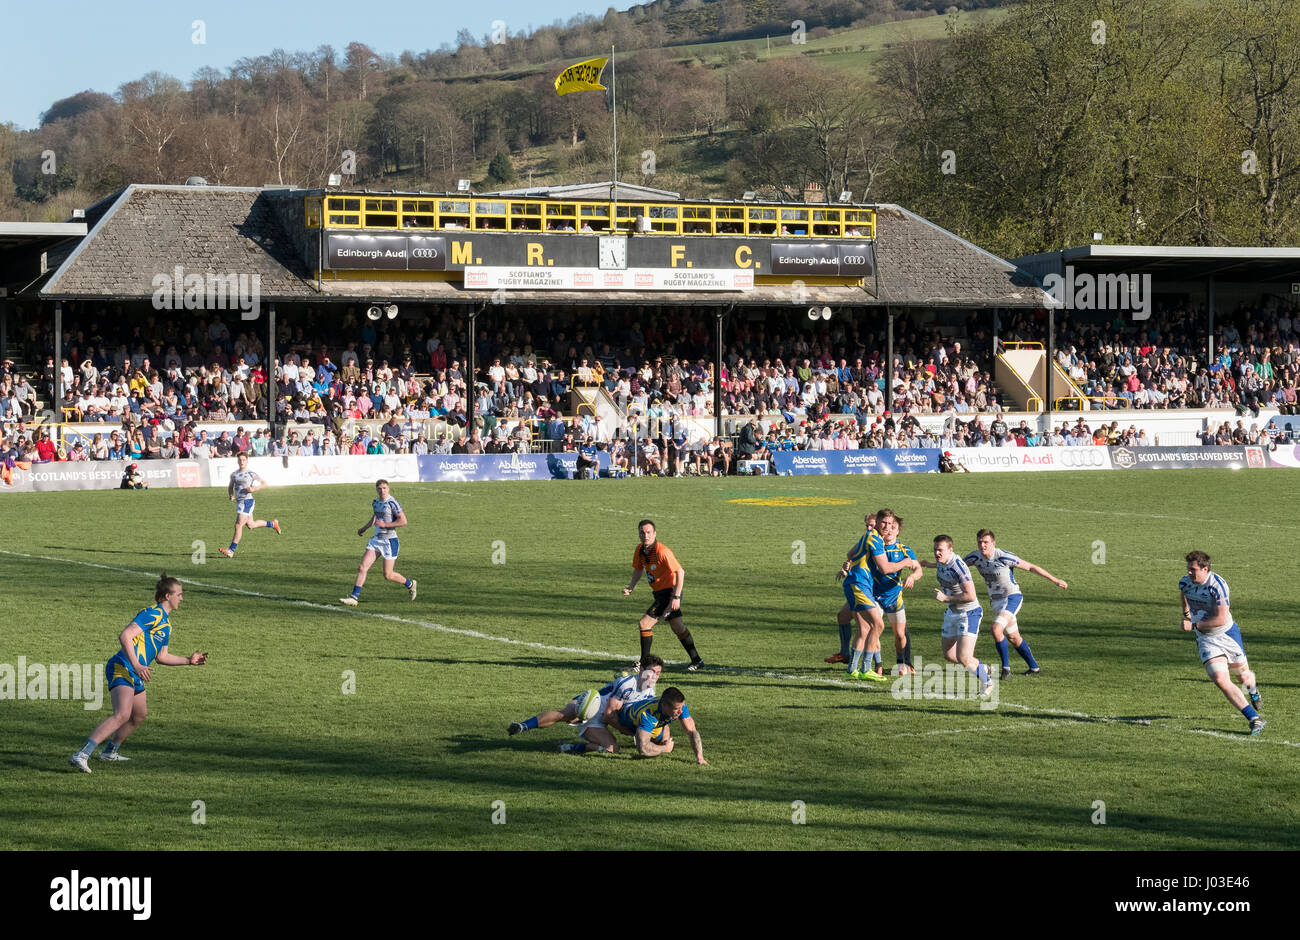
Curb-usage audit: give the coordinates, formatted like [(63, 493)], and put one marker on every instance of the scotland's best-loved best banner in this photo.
[(106, 475), (804, 462), (460, 468)]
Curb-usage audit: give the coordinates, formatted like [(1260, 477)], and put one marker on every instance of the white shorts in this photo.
[(1227, 643), (962, 622), (1011, 604), (384, 548), (244, 507)]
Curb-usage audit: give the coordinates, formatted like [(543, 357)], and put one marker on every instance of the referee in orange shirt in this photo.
[(666, 579)]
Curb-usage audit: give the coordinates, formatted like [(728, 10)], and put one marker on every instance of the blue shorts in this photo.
[(891, 601), (117, 673), (857, 597), (384, 548), (244, 507)]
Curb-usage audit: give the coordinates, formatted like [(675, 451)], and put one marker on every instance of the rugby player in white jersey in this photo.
[(1204, 597), (998, 568), (595, 736), (961, 621)]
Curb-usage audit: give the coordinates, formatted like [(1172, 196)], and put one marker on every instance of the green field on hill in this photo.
[(520, 608)]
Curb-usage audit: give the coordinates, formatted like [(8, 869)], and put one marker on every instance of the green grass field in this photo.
[(417, 757)]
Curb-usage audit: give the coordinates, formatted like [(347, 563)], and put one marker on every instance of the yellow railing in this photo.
[(1016, 344), (1029, 403), (503, 214)]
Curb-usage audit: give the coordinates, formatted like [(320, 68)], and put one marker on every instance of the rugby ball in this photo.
[(589, 705)]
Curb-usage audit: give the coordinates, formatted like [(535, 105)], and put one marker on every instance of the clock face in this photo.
[(613, 253)]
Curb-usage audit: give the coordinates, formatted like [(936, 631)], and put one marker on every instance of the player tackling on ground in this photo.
[(647, 722), (1218, 638), (594, 734), (243, 484), (666, 579), (387, 517), (998, 568)]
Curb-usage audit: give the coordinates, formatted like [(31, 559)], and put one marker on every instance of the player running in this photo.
[(1218, 638), (666, 580), (998, 568), (144, 641), (633, 687), (243, 484), (961, 621), (647, 721), (387, 517)]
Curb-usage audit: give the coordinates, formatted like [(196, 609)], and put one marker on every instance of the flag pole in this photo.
[(613, 180)]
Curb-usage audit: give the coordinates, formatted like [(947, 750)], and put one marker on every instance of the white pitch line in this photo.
[(477, 635)]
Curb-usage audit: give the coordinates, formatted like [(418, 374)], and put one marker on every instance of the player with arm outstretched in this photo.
[(387, 517), (1206, 610), (243, 484), (998, 569), (145, 640)]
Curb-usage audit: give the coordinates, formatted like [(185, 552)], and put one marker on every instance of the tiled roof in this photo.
[(150, 230), (924, 265)]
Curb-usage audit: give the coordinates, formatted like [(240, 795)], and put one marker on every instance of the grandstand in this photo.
[(623, 312)]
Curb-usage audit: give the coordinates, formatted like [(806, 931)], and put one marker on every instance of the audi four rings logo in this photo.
[(855, 259), (1083, 458), (424, 252)]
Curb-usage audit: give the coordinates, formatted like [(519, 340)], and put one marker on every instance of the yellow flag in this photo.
[(581, 76)]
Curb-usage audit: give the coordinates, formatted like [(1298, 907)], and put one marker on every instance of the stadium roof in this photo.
[(146, 230), (1174, 262), (15, 234), (627, 191)]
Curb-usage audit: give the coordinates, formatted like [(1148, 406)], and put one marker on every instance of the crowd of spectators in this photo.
[(1162, 362), (152, 378)]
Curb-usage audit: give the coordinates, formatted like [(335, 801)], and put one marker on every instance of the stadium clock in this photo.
[(613, 253)]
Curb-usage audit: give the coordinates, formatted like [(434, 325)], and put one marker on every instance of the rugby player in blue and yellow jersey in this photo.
[(243, 484), (866, 561), (144, 641), (632, 687), (889, 586), (647, 721)]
